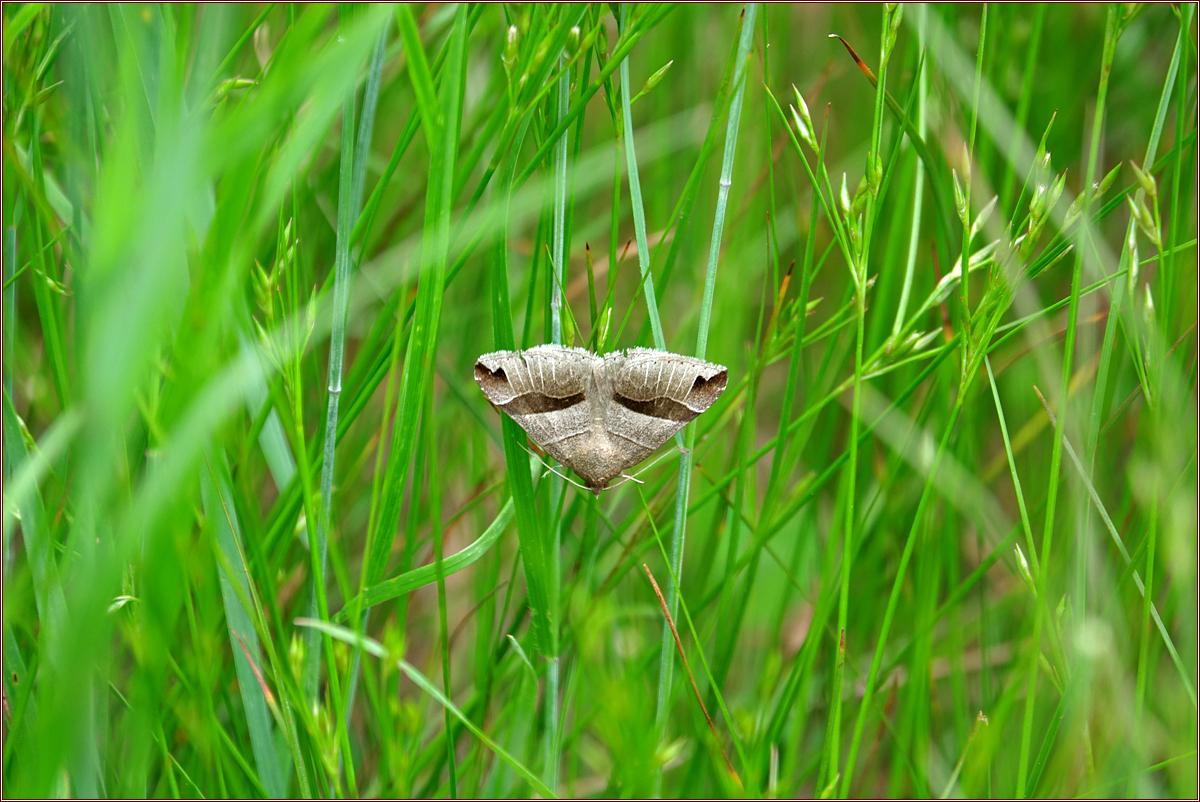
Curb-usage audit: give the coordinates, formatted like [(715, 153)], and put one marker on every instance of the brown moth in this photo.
[(599, 415)]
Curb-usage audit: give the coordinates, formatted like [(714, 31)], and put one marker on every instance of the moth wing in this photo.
[(656, 393), (543, 389)]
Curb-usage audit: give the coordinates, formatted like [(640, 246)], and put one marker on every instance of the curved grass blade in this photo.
[(374, 647), (427, 574), (1120, 544), (218, 508)]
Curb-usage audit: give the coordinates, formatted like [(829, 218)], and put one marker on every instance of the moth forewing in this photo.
[(547, 376), (664, 385)]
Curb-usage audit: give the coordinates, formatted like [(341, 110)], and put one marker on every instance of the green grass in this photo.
[(264, 537)]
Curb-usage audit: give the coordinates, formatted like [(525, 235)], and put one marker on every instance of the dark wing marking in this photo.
[(662, 407), (534, 403)]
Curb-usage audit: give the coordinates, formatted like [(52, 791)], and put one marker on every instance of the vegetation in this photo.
[(263, 536)]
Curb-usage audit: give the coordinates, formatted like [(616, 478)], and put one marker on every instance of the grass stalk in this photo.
[(965, 211), (1184, 677), (1101, 395), (737, 744), (635, 198), (1170, 274), (918, 187), (1111, 34), (678, 531), (859, 266), (687, 669), (552, 741), (10, 317), (435, 521), (349, 200), (1012, 467), (1147, 605), (1028, 78)]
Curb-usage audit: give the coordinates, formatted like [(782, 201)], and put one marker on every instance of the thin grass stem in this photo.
[(678, 536), (1111, 34)]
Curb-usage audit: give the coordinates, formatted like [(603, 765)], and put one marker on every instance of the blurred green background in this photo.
[(264, 537)]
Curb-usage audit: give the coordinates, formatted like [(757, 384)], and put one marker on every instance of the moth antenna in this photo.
[(550, 468), (634, 478), (567, 478), (652, 464)]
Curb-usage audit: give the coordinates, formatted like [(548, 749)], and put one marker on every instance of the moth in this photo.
[(599, 415)]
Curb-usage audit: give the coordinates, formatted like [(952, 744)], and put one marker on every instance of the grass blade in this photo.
[(1120, 544), (666, 667), (427, 574), (1112, 33), (218, 508), (377, 649)]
